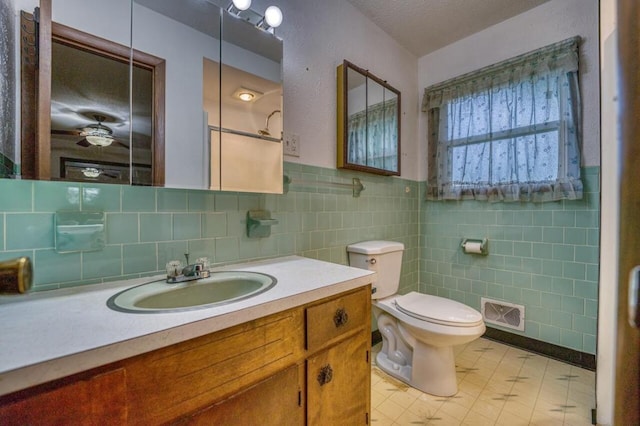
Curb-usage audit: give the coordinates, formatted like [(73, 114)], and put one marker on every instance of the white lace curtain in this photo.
[(373, 134), (508, 132)]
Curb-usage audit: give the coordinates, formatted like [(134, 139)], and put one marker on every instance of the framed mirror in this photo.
[(368, 122)]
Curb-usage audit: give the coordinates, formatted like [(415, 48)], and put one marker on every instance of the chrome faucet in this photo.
[(177, 274)]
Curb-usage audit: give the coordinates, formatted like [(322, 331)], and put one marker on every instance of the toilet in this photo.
[(418, 331)]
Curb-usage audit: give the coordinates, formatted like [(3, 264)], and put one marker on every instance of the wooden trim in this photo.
[(159, 76), (343, 120), (627, 376), (43, 94)]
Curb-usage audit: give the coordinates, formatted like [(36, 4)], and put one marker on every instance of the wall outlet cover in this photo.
[(291, 144)]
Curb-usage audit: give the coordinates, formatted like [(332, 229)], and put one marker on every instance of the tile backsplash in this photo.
[(544, 256), (146, 227)]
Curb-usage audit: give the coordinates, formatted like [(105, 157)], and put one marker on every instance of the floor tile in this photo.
[(498, 385)]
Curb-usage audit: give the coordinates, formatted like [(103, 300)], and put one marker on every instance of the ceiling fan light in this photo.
[(91, 172), (99, 140)]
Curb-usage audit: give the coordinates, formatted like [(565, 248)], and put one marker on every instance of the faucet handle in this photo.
[(204, 261), (174, 268)]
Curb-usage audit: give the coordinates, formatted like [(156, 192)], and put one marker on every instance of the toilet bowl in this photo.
[(418, 330)]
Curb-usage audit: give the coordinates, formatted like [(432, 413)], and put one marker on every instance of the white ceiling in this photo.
[(423, 26)]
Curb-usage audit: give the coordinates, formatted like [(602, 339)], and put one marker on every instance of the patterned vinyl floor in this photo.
[(498, 385)]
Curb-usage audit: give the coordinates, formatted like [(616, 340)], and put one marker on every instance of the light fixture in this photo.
[(91, 172), (247, 95), (271, 20), (238, 6), (97, 134)]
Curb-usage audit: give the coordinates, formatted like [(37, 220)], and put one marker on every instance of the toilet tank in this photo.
[(384, 257)]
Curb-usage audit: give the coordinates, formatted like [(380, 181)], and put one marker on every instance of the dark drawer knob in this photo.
[(325, 375), (340, 318)]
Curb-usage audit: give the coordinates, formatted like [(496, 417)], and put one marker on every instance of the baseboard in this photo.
[(570, 356)]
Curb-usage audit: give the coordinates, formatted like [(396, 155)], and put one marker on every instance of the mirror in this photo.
[(178, 93), (215, 139), (368, 122)]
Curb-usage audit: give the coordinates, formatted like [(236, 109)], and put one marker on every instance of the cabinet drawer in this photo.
[(329, 320)]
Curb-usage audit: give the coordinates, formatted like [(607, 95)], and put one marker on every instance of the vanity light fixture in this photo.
[(271, 20), (238, 6), (247, 95)]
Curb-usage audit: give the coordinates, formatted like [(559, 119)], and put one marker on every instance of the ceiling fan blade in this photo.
[(65, 132), (121, 144), (83, 142)]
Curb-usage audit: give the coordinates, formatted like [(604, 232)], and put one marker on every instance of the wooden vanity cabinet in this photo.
[(307, 365), (338, 367)]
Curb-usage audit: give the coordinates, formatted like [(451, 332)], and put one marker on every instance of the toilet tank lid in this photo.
[(375, 247)]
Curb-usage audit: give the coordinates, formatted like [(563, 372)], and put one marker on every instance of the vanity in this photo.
[(296, 354)]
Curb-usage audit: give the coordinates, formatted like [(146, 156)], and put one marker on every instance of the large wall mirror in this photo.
[(368, 122), (87, 112)]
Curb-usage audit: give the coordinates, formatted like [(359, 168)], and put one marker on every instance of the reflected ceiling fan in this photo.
[(94, 134)]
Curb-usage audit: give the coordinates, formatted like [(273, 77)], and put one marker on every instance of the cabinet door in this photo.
[(277, 401), (97, 400), (338, 384)]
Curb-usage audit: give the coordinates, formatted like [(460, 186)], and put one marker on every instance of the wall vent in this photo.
[(505, 314)]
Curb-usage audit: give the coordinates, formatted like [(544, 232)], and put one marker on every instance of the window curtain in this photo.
[(508, 132), (379, 125)]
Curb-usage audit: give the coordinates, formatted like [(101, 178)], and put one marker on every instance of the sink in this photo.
[(220, 288)]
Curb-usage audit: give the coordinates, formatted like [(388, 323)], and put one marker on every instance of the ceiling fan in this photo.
[(93, 134)]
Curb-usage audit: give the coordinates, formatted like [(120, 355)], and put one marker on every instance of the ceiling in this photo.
[(423, 26)]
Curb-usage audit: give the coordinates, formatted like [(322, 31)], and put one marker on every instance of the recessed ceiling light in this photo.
[(246, 95)]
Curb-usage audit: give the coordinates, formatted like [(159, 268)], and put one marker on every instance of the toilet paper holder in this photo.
[(475, 246)]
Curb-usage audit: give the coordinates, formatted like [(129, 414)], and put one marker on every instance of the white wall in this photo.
[(546, 24), (318, 36)]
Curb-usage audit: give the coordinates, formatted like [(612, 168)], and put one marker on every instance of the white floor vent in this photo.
[(506, 314)]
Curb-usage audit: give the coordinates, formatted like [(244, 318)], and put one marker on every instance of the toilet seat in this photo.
[(438, 310)]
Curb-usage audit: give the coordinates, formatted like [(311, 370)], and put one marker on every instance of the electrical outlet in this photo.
[(292, 144)]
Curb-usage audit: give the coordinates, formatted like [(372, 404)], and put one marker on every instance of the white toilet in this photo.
[(418, 331)]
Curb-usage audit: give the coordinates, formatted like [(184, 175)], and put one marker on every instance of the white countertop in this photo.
[(49, 335)]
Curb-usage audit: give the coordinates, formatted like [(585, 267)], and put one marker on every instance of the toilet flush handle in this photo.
[(371, 261)]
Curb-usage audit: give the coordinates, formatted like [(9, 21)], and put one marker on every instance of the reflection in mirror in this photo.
[(75, 105), (214, 58), (8, 160), (250, 130), (184, 34), (368, 122), (79, 116)]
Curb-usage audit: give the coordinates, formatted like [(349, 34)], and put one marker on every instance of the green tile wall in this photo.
[(146, 227), (544, 256)]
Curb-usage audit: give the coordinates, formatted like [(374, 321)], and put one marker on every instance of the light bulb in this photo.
[(242, 4), (273, 16), (246, 96)]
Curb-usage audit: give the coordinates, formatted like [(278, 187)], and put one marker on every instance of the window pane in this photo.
[(470, 164), (538, 157), (468, 116)]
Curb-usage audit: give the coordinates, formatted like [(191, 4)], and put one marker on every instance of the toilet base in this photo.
[(400, 372), (433, 369)]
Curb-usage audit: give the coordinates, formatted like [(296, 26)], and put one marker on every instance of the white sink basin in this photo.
[(219, 289)]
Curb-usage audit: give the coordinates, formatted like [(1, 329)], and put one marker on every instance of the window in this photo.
[(509, 132)]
